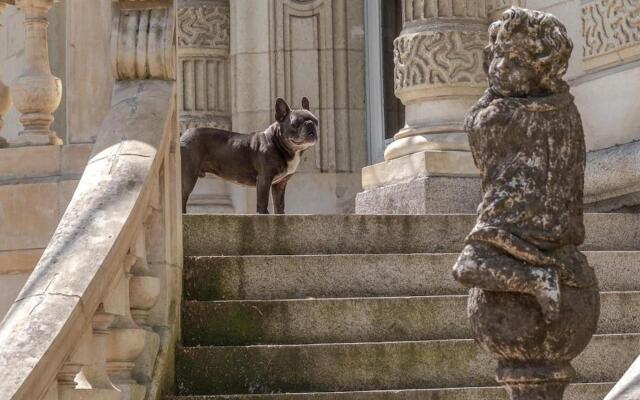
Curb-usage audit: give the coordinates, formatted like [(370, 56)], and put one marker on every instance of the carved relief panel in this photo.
[(611, 32), (319, 54), (203, 52)]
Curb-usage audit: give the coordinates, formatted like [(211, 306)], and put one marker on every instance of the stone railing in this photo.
[(98, 316)]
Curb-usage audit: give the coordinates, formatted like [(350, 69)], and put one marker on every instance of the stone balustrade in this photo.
[(101, 307)]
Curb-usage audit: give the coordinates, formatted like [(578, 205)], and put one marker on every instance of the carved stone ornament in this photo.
[(611, 32), (204, 31), (142, 41), (204, 26), (438, 59), (534, 302)]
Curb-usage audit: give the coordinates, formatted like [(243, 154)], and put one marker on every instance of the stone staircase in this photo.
[(364, 308)]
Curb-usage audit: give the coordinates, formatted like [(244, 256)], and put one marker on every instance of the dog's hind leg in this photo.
[(263, 186), (277, 193), (189, 179)]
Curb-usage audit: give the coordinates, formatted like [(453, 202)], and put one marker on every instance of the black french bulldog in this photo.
[(266, 159)]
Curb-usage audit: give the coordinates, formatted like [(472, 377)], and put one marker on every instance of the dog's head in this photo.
[(298, 127)]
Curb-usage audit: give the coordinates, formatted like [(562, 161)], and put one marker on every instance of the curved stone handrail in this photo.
[(98, 315), (84, 258)]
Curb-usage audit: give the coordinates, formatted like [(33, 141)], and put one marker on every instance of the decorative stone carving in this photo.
[(203, 52), (437, 59), (423, 10), (142, 42), (611, 32), (495, 8), (438, 73), (36, 93), (534, 301), (204, 26)]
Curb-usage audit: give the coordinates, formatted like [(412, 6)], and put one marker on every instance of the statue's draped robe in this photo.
[(531, 154)]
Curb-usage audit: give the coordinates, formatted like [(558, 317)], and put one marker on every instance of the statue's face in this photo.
[(512, 69)]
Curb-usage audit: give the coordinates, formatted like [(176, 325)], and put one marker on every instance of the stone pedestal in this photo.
[(421, 183)]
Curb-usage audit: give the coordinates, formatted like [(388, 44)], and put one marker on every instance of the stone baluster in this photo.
[(438, 73), (5, 96), (144, 288), (85, 372), (126, 340), (36, 93), (144, 291)]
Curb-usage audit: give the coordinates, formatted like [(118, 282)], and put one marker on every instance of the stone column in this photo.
[(36, 93), (438, 73), (204, 85), (5, 96), (438, 76)]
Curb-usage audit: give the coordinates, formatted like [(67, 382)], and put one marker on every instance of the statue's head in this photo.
[(528, 53)]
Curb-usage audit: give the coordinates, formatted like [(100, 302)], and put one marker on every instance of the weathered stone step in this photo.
[(377, 234), (234, 323), (370, 366), (578, 391), (359, 275)]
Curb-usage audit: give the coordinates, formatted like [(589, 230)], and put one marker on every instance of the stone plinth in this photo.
[(421, 183)]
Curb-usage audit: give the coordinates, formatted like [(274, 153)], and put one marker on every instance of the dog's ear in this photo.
[(282, 109), (305, 103)]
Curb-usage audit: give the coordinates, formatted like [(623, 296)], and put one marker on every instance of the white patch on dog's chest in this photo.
[(292, 166)]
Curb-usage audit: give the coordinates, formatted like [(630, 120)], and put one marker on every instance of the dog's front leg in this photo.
[(277, 192), (263, 186)]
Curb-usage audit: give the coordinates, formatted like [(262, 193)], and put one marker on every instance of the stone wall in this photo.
[(37, 183), (604, 71), (292, 49)]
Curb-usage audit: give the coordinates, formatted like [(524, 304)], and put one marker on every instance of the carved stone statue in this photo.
[(534, 302)]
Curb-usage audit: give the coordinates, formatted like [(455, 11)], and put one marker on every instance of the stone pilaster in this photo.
[(438, 76), (203, 59), (204, 85)]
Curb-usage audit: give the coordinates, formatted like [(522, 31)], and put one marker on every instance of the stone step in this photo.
[(578, 391), (359, 275), (363, 234), (370, 366), (238, 323)]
